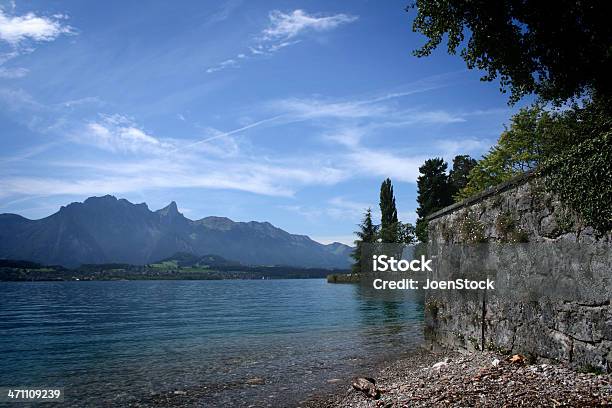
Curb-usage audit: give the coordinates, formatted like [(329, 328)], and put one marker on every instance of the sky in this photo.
[(291, 112)]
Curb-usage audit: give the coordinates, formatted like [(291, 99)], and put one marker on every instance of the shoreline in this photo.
[(450, 378)]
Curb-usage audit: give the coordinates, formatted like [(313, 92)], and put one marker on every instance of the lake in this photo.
[(118, 342)]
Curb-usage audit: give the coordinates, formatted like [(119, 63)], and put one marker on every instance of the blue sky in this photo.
[(290, 112)]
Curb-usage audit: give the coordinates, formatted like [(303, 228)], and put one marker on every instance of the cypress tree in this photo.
[(388, 213)]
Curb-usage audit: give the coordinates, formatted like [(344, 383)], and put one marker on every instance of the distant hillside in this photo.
[(184, 259), (110, 230), (207, 267)]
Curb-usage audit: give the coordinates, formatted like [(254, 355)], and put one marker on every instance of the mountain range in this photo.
[(106, 229)]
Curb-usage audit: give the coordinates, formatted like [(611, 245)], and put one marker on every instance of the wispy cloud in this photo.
[(223, 12), (123, 156), (139, 160), (248, 174), (219, 134), (119, 134), (377, 106), (288, 25), (283, 31), (222, 65), (22, 32)]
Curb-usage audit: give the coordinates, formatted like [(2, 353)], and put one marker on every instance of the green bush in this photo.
[(582, 179)]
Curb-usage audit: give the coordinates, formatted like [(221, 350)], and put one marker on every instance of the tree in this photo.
[(433, 193), (406, 233), (388, 213), (368, 233), (556, 50), (534, 136), (458, 176)]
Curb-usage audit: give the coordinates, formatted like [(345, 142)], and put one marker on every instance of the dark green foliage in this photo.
[(388, 213), (458, 176), (406, 234), (555, 50), (368, 233), (433, 188), (421, 230), (433, 193), (582, 179)]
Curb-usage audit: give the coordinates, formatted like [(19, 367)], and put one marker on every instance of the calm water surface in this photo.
[(116, 343)]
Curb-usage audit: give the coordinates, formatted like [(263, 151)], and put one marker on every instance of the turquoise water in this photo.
[(114, 343)]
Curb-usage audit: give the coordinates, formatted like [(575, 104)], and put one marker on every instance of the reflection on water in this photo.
[(110, 343)]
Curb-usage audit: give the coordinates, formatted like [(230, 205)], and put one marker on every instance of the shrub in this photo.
[(582, 179)]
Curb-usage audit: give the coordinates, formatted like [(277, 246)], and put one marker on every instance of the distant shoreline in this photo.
[(169, 279), (25, 271)]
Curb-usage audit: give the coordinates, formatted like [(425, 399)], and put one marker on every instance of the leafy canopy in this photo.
[(556, 50), (433, 192), (534, 136)]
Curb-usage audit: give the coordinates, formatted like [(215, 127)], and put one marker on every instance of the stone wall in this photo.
[(554, 276)]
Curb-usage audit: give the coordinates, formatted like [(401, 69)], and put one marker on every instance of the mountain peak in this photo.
[(170, 209), (105, 198), (107, 201), (218, 223)]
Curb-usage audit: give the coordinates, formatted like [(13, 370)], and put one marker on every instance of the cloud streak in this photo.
[(289, 25), (283, 31)]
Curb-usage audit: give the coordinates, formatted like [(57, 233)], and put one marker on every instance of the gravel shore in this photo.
[(487, 379)]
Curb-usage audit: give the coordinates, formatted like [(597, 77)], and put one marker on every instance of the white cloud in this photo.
[(451, 148), (289, 25), (17, 29), (381, 163), (222, 65), (247, 174), (316, 108), (29, 28), (118, 134), (87, 100), (282, 31)]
